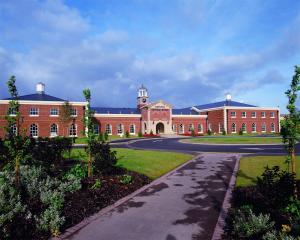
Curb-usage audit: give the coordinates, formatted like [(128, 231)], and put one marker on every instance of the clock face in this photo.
[(144, 100)]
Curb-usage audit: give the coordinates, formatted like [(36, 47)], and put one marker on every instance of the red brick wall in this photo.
[(249, 120), (103, 121), (186, 121), (160, 114), (43, 120), (215, 118)]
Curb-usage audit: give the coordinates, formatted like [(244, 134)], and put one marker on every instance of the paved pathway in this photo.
[(182, 205)]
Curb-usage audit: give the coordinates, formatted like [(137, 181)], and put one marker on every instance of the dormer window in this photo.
[(34, 111)]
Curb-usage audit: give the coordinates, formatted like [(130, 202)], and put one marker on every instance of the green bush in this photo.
[(106, 136), (126, 179), (274, 235), (241, 132), (223, 132), (193, 133), (247, 225), (140, 134), (127, 135), (209, 132), (78, 170), (97, 184)]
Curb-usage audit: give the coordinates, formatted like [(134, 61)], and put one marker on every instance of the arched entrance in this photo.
[(160, 128)]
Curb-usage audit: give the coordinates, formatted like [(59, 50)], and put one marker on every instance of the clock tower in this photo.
[(142, 98)]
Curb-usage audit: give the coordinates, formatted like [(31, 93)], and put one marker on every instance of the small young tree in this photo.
[(289, 128), (89, 129), (65, 113)]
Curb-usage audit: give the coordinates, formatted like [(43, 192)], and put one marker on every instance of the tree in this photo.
[(66, 112), (289, 128), (89, 129)]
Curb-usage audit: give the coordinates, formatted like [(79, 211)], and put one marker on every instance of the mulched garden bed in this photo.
[(87, 201)]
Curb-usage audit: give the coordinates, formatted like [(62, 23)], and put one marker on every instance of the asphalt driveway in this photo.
[(184, 204)]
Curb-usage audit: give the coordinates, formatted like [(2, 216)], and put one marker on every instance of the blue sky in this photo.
[(187, 52)]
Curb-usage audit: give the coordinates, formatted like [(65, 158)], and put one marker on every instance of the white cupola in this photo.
[(40, 88), (228, 97)]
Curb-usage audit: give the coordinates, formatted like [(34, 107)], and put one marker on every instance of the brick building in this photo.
[(41, 116)]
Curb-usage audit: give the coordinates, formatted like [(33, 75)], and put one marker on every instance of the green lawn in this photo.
[(110, 138), (253, 167), (151, 163), (235, 140)]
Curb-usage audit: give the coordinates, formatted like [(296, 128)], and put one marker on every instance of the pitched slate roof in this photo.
[(38, 97), (184, 111), (109, 110), (222, 104)]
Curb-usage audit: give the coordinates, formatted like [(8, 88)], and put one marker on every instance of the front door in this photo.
[(160, 128)]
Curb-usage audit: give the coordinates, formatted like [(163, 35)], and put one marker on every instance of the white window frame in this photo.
[(14, 129), (74, 112), (53, 133), (244, 127), (244, 114), (34, 132), (253, 124), (132, 127), (12, 111), (263, 114), (181, 128), (233, 114), (108, 129), (96, 128), (34, 112), (273, 129), (200, 126), (209, 127), (52, 111), (72, 130), (253, 115), (191, 127), (233, 128), (272, 115), (174, 127), (263, 127), (120, 129)]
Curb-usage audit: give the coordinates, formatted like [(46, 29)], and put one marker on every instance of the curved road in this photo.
[(173, 144)]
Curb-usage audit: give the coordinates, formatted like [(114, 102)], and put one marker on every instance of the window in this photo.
[(272, 115), (73, 112), (221, 127), (244, 114), (181, 128), (263, 114), (191, 127), (120, 129), (96, 128), (34, 111), (263, 127), (132, 129), (209, 126), (53, 130), (73, 130), (174, 127), (253, 127), (253, 114), (233, 114), (200, 128), (272, 127), (12, 111), (233, 128), (108, 129), (53, 112), (33, 130), (244, 127), (13, 129)]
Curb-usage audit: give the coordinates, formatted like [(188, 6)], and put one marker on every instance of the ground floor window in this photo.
[(132, 129), (181, 128), (108, 129), (96, 129), (233, 128), (244, 128), (73, 130), (53, 130), (200, 128), (253, 127), (263, 127), (221, 128), (120, 129), (191, 127), (33, 130), (13, 129), (272, 127), (209, 126)]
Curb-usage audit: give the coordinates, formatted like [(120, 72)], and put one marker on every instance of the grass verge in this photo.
[(153, 164), (253, 166), (235, 140)]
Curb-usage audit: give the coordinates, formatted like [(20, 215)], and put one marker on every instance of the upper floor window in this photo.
[(34, 111), (73, 112), (54, 112), (263, 114), (96, 128), (33, 130), (253, 114), (244, 114), (272, 114), (233, 114), (12, 111)]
